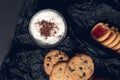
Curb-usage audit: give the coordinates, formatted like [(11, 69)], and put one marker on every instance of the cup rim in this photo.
[(49, 45)]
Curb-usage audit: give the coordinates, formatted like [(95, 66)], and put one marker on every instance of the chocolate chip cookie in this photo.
[(52, 58), (80, 67)]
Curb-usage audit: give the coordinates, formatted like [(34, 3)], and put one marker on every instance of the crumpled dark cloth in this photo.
[(25, 59)]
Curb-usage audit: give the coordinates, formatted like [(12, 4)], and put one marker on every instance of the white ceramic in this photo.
[(49, 15)]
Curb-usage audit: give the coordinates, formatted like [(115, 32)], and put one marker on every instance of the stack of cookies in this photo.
[(108, 37), (59, 67)]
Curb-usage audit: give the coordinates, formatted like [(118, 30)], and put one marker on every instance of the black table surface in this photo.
[(9, 11)]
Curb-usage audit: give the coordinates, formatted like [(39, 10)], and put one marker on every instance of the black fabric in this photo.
[(25, 60)]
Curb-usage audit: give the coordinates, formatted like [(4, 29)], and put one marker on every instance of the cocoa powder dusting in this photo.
[(47, 29)]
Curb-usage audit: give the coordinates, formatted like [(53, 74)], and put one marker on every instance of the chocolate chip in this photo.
[(71, 70), (89, 68), (72, 63), (48, 58), (60, 69), (80, 68), (61, 58), (48, 64), (85, 61), (83, 74), (57, 54), (60, 52)]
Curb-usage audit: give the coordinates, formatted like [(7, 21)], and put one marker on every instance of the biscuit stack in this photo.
[(108, 37), (58, 66)]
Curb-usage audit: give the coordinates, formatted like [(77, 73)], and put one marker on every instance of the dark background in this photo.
[(9, 11)]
